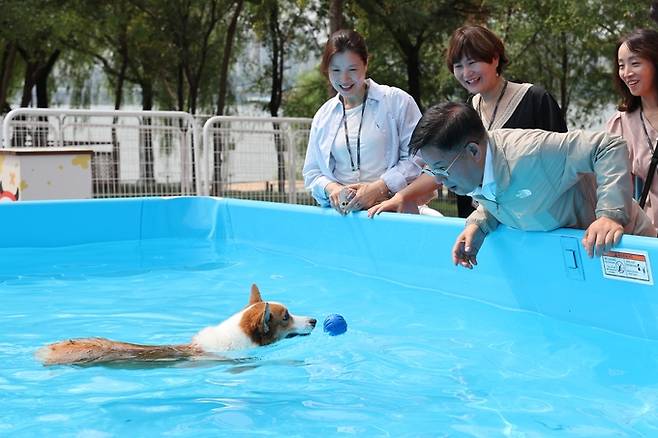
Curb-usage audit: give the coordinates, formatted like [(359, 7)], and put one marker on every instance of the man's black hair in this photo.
[(446, 126)]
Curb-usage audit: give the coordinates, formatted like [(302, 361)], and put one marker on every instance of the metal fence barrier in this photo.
[(135, 153), (256, 157), (169, 153)]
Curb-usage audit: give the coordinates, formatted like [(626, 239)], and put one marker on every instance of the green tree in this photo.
[(33, 31), (567, 46), (283, 26), (106, 38), (227, 56), (190, 31), (412, 32), (306, 96)]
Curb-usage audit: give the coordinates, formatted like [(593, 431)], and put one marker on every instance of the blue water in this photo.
[(414, 362)]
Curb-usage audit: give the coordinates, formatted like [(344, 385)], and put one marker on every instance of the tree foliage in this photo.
[(413, 32), (567, 46), (179, 53), (307, 95)]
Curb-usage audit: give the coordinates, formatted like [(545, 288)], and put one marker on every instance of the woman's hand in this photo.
[(333, 193), (367, 195)]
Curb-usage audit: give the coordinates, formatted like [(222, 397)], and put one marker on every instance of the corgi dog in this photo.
[(259, 323)]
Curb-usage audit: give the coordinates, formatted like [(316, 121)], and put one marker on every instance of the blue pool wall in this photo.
[(517, 270)]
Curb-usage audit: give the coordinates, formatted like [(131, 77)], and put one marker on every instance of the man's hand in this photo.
[(467, 245), (601, 236), (397, 204)]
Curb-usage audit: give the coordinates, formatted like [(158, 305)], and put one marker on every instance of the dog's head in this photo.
[(268, 322)]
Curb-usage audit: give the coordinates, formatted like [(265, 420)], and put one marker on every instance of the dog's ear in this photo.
[(265, 320), (255, 295)]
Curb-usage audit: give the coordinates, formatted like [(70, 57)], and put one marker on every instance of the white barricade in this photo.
[(255, 157), (135, 153), (153, 153)]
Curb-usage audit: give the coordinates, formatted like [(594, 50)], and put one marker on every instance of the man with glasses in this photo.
[(529, 179)]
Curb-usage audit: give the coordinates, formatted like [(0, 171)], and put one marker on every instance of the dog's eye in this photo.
[(286, 316)]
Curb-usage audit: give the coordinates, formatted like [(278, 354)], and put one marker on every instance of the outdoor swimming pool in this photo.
[(517, 347)]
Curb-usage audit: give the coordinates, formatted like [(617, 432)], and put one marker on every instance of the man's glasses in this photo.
[(440, 172)]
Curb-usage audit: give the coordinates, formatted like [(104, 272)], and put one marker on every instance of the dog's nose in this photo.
[(312, 321)]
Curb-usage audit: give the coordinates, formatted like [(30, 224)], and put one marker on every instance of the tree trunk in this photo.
[(276, 57), (180, 90), (192, 96), (276, 92), (336, 20), (412, 55), (147, 95), (28, 84), (6, 70), (226, 57), (280, 145), (564, 75), (42, 91), (218, 139), (41, 80), (118, 100), (121, 78), (146, 155), (36, 73), (195, 75)]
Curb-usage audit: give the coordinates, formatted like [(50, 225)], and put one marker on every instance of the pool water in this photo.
[(414, 362)]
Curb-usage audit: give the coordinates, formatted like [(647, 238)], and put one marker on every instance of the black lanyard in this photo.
[(493, 116), (358, 136), (652, 165)]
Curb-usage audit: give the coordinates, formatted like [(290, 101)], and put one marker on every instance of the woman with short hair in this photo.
[(476, 57)]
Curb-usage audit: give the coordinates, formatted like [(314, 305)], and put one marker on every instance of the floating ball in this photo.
[(335, 324)]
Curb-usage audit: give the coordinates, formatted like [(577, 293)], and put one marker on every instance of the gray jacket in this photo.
[(548, 180)]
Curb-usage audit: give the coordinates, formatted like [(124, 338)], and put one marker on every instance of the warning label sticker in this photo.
[(627, 265)]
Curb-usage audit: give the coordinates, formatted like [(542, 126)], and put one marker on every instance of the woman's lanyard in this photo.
[(652, 165), (358, 136), (493, 116), (646, 133)]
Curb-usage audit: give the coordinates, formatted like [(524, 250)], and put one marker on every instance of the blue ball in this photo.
[(335, 324)]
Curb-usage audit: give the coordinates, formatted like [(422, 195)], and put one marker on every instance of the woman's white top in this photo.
[(372, 163), (389, 119)]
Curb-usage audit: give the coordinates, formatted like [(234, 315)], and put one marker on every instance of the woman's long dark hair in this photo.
[(644, 43)]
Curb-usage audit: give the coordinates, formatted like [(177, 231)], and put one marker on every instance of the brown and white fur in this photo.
[(259, 323)]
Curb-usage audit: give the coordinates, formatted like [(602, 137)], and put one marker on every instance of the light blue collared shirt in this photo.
[(488, 187)]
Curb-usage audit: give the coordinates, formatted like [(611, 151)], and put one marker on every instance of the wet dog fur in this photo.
[(259, 323)]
